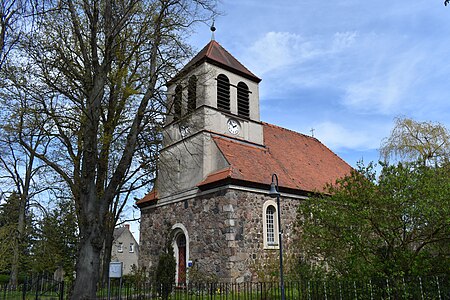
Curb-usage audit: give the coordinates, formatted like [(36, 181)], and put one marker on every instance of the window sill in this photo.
[(271, 247)]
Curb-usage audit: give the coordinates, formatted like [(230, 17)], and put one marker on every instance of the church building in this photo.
[(211, 195)]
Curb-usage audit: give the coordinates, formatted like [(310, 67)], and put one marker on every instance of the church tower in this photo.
[(210, 199), (214, 94)]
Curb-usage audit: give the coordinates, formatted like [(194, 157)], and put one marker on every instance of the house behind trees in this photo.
[(125, 249)]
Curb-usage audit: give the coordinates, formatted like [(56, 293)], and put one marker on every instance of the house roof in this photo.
[(118, 232), (302, 163), (215, 54)]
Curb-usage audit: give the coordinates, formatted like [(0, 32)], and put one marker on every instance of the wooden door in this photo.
[(181, 244)]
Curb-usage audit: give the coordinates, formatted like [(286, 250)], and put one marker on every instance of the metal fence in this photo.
[(420, 288), (36, 287)]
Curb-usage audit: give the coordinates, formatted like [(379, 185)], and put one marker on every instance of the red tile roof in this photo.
[(148, 199), (301, 162), (215, 54), (219, 175)]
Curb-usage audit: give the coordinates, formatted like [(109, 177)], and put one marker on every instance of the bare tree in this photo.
[(12, 18), (20, 169), (95, 71)]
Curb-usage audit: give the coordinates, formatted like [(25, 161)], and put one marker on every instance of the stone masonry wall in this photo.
[(225, 231), (251, 256)]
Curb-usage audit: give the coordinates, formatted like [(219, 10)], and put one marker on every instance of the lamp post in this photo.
[(274, 193)]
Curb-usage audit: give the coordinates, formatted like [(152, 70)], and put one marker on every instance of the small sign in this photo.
[(190, 263), (115, 269)]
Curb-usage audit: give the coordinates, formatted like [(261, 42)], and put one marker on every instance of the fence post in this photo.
[(24, 289), (387, 288), (309, 290), (405, 293), (37, 288), (439, 289), (421, 289), (61, 290)]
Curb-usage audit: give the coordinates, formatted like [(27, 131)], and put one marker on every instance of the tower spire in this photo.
[(213, 28)]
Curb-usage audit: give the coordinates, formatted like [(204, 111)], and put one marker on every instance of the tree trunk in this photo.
[(20, 233), (13, 279), (88, 262), (100, 32), (107, 255)]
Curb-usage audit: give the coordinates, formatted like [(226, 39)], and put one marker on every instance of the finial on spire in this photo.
[(213, 28)]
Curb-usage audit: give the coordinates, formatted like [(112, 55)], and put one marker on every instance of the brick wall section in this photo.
[(225, 231)]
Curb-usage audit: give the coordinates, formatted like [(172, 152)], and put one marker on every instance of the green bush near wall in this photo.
[(4, 279)]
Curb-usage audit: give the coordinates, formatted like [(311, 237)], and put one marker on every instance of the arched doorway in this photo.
[(180, 244), (181, 266)]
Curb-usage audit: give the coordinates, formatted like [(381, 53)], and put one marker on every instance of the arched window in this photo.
[(177, 102), (243, 100), (270, 221), (223, 92), (270, 225), (192, 93)]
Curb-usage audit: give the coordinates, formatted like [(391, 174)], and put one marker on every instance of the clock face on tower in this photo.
[(233, 126)]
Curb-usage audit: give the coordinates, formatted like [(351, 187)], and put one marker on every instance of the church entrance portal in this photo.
[(181, 259), (180, 244)]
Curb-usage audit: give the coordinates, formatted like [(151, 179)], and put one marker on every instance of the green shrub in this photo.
[(137, 276), (165, 272), (4, 279)]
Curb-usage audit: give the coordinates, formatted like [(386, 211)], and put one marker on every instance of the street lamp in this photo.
[(274, 193)]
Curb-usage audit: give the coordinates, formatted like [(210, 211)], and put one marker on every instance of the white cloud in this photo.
[(386, 87), (377, 73), (342, 40), (277, 50), (336, 136)]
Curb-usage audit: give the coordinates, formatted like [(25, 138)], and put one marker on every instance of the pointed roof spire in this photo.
[(217, 55)]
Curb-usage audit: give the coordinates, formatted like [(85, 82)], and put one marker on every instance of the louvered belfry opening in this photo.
[(223, 92), (177, 102), (243, 100), (192, 93)]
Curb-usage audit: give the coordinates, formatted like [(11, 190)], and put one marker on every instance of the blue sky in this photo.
[(346, 68)]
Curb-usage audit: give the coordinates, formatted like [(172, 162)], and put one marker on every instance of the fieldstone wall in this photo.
[(225, 231)]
